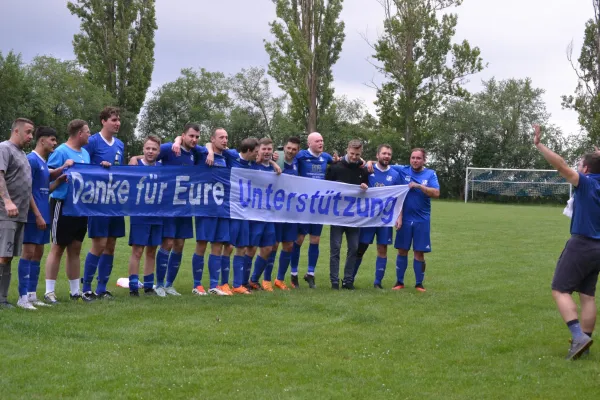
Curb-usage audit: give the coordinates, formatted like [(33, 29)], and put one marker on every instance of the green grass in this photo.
[(487, 328)]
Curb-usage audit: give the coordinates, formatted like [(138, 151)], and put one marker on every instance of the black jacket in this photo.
[(345, 172)]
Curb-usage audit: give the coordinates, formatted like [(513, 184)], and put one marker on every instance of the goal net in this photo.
[(515, 182)]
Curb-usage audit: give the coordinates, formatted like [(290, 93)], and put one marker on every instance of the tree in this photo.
[(586, 100), (414, 54), (60, 93), (308, 41), (15, 89), (116, 47)]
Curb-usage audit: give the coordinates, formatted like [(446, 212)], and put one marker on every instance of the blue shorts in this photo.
[(145, 235), (212, 229), (33, 235), (178, 228), (104, 227), (416, 232), (286, 232), (239, 232), (262, 234), (384, 235), (310, 229)]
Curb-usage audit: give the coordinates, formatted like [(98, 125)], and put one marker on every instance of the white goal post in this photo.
[(515, 182)]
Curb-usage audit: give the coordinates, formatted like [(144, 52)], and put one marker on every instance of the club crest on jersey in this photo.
[(407, 178), (388, 178), (316, 168), (424, 183)]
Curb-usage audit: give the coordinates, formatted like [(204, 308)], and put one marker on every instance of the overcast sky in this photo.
[(517, 38)]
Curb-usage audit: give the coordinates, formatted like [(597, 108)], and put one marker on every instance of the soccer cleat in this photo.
[(377, 286), (578, 347), (150, 292), (75, 297), (420, 288), (295, 283), (198, 291), (218, 292), (32, 298), (348, 286), (398, 286), (51, 298), (335, 286), (281, 285), (89, 296), (585, 353), (25, 304), (134, 293), (310, 279), (170, 290), (240, 290), (160, 291), (266, 286), (253, 286), (225, 288), (6, 305), (105, 295)]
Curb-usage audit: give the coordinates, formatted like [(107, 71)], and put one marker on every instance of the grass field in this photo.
[(486, 328)]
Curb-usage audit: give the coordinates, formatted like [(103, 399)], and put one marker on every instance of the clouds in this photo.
[(517, 38)]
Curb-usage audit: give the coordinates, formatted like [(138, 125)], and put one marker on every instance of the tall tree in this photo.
[(422, 66), (16, 91), (586, 100), (116, 47), (308, 41)]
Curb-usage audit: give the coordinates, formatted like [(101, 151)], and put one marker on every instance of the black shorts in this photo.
[(578, 266), (65, 229)]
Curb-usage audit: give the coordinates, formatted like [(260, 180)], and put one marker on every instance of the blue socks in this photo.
[(313, 257), (225, 262), (247, 269), (270, 264), (162, 260), (575, 329), (380, 269), (401, 265), (238, 271), (34, 276), (214, 270), (259, 266), (173, 267), (284, 262), (295, 258), (134, 283), (24, 276), (148, 281), (105, 266), (419, 267), (89, 270), (197, 269)]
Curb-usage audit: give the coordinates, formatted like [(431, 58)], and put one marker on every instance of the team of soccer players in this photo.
[(163, 239)]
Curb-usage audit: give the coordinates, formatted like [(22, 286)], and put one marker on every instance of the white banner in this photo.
[(265, 196)]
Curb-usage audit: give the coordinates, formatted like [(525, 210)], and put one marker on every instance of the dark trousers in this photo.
[(335, 240)]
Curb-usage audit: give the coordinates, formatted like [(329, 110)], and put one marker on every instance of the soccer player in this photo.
[(106, 150), (348, 170), (578, 267), (312, 163), (382, 176), (145, 232), (416, 218), (37, 228), (286, 232), (67, 232), (15, 194), (262, 234)]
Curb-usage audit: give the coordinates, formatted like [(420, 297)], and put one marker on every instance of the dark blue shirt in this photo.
[(234, 160), (290, 169), (311, 166), (100, 151), (40, 186), (185, 158), (586, 207)]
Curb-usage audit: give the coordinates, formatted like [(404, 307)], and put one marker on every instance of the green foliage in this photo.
[(422, 66), (308, 40), (116, 47), (15, 92)]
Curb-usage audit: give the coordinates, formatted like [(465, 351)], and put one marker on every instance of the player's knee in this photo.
[(362, 249), (315, 239), (419, 256), (381, 251), (402, 252)]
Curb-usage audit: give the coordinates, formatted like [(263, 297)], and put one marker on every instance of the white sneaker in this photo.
[(34, 300), (24, 303), (160, 291), (218, 292), (170, 290)]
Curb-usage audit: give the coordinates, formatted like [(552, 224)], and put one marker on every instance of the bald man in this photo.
[(312, 163)]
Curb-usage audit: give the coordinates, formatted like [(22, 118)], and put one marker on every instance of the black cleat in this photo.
[(377, 286), (295, 283), (134, 293), (348, 286), (88, 296), (75, 297), (150, 292), (310, 279), (335, 286), (105, 295)]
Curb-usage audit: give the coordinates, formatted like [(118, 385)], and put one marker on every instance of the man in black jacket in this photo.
[(348, 170)]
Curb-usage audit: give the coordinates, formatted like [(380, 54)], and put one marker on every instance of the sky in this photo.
[(517, 39)]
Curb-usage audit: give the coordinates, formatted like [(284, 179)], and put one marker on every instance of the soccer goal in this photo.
[(515, 182)]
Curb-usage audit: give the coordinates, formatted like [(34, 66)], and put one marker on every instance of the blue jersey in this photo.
[(58, 158), (262, 167), (290, 169), (40, 186), (381, 178), (417, 206), (146, 220), (186, 157), (311, 166), (234, 160), (99, 150), (220, 161), (586, 207)]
